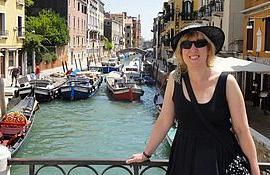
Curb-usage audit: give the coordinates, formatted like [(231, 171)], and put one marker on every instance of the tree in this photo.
[(108, 44), (44, 31), (28, 4)]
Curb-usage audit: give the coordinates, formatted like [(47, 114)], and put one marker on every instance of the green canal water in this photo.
[(95, 128)]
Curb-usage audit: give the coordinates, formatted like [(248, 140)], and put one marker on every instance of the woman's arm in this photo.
[(240, 123), (162, 124)]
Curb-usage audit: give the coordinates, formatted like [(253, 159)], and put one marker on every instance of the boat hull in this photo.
[(75, 92), (12, 138)]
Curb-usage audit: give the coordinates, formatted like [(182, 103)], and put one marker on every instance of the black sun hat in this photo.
[(215, 34)]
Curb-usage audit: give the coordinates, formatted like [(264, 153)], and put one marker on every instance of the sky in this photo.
[(148, 9)]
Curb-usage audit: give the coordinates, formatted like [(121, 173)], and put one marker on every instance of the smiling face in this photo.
[(195, 56), (195, 50)]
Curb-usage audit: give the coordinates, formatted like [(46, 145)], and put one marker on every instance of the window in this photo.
[(20, 28), (250, 28), (79, 5), (74, 22), (267, 34), (82, 25), (2, 24), (11, 58)]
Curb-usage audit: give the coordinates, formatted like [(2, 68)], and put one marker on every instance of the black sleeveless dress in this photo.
[(194, 150)]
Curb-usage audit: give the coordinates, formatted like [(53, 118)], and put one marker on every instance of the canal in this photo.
[(95, 128)]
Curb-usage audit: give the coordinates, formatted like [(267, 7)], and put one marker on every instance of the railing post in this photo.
[(136, 169), (31, 169), (4, 155)]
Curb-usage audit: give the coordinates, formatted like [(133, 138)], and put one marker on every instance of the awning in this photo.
[(231, 64)]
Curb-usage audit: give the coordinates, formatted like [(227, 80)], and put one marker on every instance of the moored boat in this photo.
[(80, 86), (15, 125), (122, 88), (44, 89), (112, 64)]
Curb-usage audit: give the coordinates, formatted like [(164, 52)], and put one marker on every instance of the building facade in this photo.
[(256, 31), (113, 32), (12, 34), (95, 28), (121, 17)]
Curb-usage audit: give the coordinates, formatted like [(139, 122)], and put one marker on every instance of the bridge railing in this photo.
[(99, 166)]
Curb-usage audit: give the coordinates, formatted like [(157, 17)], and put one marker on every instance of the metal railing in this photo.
[(94, 166), (3, 33)]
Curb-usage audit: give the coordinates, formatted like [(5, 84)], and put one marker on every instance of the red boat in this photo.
[(121, 88)]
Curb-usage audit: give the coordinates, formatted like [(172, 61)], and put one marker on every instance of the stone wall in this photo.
[(262, 145)]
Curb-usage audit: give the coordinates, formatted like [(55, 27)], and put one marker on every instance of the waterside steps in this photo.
[(68, 166)]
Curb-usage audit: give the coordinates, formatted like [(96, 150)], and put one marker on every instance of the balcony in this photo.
[(215, 7), (3, 34), (21, 33), (189, 16)]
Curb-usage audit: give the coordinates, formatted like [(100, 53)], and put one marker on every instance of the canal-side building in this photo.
[(156, 36), (121, 17), (12, 35), (175, 15), (100, 19), (128, 32), (95, 29), (256, 31), (136, 26), (226, 15), (256, 47), (113, 32)]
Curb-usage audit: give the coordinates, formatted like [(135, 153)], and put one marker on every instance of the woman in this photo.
[(195, 150)]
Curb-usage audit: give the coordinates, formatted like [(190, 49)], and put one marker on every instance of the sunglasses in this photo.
[(198, 43)]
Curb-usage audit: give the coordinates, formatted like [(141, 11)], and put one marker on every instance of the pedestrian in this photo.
[(37, 72), (15, 72), (201, 100)]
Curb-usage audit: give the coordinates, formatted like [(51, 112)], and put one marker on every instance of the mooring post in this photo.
[(2, 97), (4, 156)]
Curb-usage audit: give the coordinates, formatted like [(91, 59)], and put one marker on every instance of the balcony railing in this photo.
[(69, 166), (21, 33), (215, 6), (3, 33)]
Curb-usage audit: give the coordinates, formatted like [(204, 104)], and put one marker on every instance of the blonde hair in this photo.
[(210, 46)]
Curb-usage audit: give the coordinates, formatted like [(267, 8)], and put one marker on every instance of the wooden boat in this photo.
[(133, 70), (81, 86), (15, 125), (44, 89), (122, 88), (111, 65)]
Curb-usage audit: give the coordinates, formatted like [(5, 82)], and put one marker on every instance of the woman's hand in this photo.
[(137, 158)]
